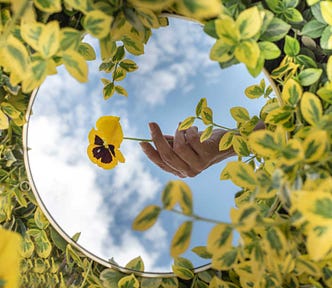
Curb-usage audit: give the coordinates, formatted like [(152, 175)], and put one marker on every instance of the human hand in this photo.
[(184, 155)]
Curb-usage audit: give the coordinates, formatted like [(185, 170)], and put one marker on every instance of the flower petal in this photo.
[(110, 130)]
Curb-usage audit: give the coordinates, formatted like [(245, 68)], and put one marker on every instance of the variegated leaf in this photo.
[(311, 108), (97, 23), (248, 52), (48, 6), (242, 174), (240, 146), (206, 133), (146, 218), (292, 92), (136, 264), (249, 22), (181, 239), (315, 145), (207, 115), (240, 114), (226, 141), (187, 123), (75, 65), (264, 143), (129, 281), (220, 239)]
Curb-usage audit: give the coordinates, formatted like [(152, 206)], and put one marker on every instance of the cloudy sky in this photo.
[(173, 75)]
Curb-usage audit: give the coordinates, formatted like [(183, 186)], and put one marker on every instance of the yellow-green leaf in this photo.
[(248, 52), (4, 122), (311, 108), (264, 143), (279, 116), (219, 283), (182, 272), (244, 217), (120, 90), (200, 105), (221, 52), (43, 246), (220, 239), (315, 145), (292, 153), (49, 42), (329, 69), (31, 33), (170, 195), (81, 5), (227, 31), (226, 141), (10, 110), (87, 51), (254, 91), (48, 6), (249, 22), (136, 264), (107, 47), (156, 5), (240, 146), (206, 133), (226, 260), (240, 114), (185, 197), (202, 252), (319, 238), (242, 174), (181, 239), (170, 282), (28, 247), (146, 218), (97, 23), (128, 65), (133, 44), (199, 9), (187, 123), (276, 242), (291, 92), (326, 9), (129, 281), (75, 65), (148, 18), (207, 115), (40, 219)]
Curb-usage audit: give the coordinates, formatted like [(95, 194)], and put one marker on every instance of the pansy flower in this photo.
[(104, 142)]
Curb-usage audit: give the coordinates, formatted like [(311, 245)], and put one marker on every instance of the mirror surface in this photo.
[(174, 73)]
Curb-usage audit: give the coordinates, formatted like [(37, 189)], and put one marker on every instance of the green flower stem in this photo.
[(137, 139), (220, 126)]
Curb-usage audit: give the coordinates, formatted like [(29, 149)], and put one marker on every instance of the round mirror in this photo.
[(174, 73)]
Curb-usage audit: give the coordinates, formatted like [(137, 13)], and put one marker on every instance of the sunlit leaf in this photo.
[(146, 218), (309, 76), (226, 141), (221, 52), (292, 92), (248, 52), (326, 8), (264, 143), (227, 31), (87, 51), (207, 115), (202, 104), (249, 22), (206, 134), (199, 9), (269, 50), (4, 122), (48, 6), (81, 5), (43, 246), (315, 145), (240, 114), (181, 239), (226, 260), (40, 219), (220, 239), (240, 146), (120, 90), (202, 252), (75, 65), (97, 23), (311, 108), (187, 123), (219, 283), (129, 281), (242, 174), (136, 264)]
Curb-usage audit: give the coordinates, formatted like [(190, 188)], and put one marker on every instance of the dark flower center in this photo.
[(103, 152)]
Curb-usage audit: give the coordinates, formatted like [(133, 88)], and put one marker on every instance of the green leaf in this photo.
[(313, 29), (264, 143), (269, 50), (119, 74), (254, 91), (326, 39), (206, 134), (97, 23), (133, 45), (292, 92), (226, 260), (240, 146), (309, 76), (48, 6), (136, 264), (187, 123), (70, 38), (43, 246), (241, 174), (227, 31), (311, 108), (10, 110), (181, 239), (276, 30), (108, 90), (292, 15), (276, 241), (129, 281), (170, 282), (81, 5), (221, 52), (182, 273), (292, 46), (226, 141), (111, 277), (146, 218)]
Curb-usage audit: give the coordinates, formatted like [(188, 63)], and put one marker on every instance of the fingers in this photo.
[(167, 154), (154, 156)]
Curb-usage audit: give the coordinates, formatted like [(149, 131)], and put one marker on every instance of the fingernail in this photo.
[(152, 127)]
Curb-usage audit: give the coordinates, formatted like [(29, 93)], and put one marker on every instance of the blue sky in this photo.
[(173, 75)]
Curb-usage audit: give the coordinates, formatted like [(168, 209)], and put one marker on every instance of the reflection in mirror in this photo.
[(173, 75)]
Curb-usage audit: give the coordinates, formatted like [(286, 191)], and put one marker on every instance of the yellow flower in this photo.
[(105, 141), (10, 245)]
